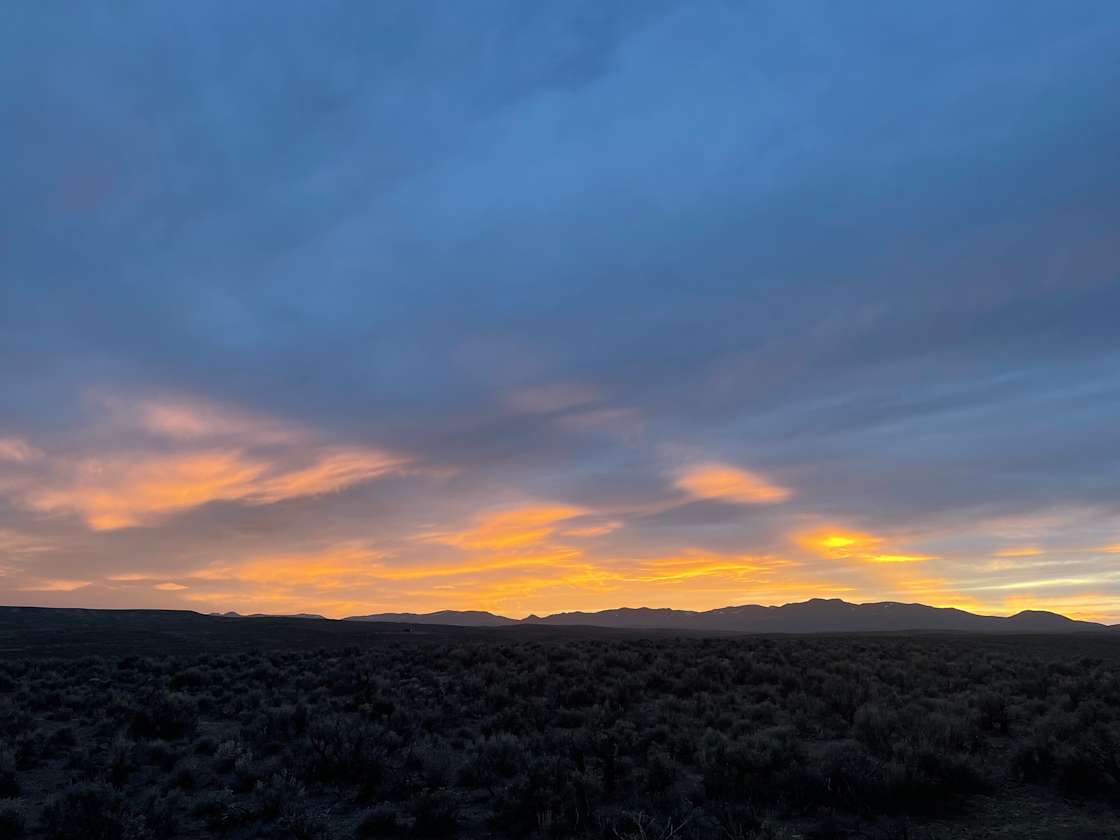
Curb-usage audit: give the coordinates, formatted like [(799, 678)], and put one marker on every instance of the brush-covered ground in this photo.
[(521, 737)]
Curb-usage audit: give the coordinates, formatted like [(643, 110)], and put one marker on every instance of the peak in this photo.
[(1041, 614)]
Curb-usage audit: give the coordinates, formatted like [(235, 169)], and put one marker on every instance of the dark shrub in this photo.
[(1032, 760), (435, 814), (85, 812), (9, 779), (381, 820), (160, 816), (161, 714), (13, 822), (851, 777), (274, 794), (220, 810), (302, 821), (993, 710)]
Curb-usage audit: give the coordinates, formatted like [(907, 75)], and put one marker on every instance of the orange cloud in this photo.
[(332, 469), (180, 421), (562, 558), (53, 585), (1019, 551), (693, 563), (721, 481), (592, 530), (128, 489), (332, 567), (838, 542), (123, 490), (170, 587), (216, 454), (857, 545), (899, 558), (517, 527), (12, 542), (194, 420)]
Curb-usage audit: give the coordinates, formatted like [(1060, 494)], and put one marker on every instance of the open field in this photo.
[(301, 728)]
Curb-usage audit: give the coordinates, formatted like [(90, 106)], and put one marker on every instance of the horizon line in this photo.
[(404, 612)]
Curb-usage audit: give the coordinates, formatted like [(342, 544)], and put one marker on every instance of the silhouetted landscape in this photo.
[(148, 723), (817, 615)]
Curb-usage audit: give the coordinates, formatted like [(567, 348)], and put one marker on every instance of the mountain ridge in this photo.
[(816, 615)]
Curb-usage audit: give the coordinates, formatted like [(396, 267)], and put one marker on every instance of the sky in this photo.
[(532, 307)]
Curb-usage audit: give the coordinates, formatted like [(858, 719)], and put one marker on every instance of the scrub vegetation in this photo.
[(884, 737)]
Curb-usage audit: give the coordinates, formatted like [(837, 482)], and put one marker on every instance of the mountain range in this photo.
[(817, 615)]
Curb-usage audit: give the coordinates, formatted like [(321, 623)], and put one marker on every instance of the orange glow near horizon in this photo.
[(838, 542), (505, 552)]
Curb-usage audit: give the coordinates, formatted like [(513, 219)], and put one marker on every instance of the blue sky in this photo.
[(519, 307)]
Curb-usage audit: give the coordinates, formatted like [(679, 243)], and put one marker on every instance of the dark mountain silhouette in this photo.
[(467, 618), (817, 615), (232, 614)]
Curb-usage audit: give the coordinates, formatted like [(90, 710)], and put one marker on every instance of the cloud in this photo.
[(1019, 551), (123, 490), (170, 586), (847, 544), (839, 542), (333, 567), (548, 399), (259, 462), (53, 585), (128, 489), (201, 420), (596, 530), (15, 543), (900, 558), (509, 528), (17, 450), (731, 484)]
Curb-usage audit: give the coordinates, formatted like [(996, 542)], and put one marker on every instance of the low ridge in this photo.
[(817, 615)]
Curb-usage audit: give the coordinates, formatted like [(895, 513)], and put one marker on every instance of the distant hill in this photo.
[(70, 632), (817, 615), (232, 614), (467, 618)]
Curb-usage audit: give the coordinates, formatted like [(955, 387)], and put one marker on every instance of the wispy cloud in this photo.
[(52, 585), (506, 528), (211, 455), (1019, 551), (730, 484), (17, 450)]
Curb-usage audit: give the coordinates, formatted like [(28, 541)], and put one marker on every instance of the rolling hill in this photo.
[(817, 615)]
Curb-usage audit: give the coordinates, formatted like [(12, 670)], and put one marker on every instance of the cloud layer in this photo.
[(618, 304)]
